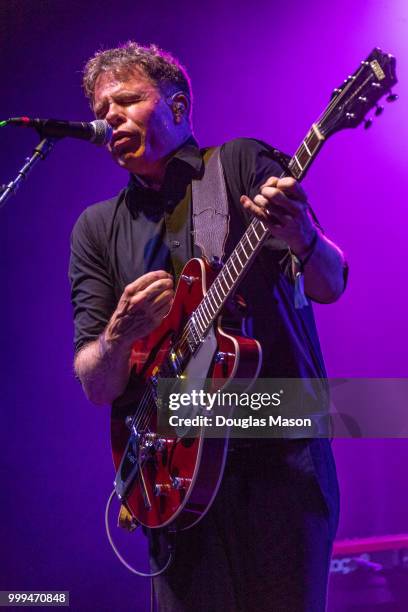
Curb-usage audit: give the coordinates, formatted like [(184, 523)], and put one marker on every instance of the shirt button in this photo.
[(170, 203), (175, 244)]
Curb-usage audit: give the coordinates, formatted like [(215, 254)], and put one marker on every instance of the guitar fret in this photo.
[(228, 270), (200, 325), (313, 140), (307, 148), (200, 319), (205, 315), (208, 299), (237, 254), (249, 240), (303, 156), (213, 301), (254, 230), (232, 261), (220, 279), (298, 163), (218, 295), (207, 311), (243, 247)]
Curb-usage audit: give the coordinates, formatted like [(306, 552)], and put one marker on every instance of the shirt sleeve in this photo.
[(92, 292)]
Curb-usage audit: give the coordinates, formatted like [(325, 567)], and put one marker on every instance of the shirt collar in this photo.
[(188, 153)]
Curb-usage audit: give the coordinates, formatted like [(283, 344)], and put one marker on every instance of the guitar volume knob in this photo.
[(189, 280)]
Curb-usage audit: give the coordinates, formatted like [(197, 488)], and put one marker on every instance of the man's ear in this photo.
[(180, 106)]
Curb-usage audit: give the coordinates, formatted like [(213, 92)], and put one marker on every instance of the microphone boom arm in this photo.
[(40, 152)]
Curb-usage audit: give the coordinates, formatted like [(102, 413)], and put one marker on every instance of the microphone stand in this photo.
[(40, 152)]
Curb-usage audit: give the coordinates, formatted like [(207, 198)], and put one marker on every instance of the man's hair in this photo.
[(164, 70)]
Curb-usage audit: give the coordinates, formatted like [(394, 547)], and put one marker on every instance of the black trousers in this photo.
[(264, 545)]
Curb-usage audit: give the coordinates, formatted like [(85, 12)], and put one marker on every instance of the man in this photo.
[(266, 541)]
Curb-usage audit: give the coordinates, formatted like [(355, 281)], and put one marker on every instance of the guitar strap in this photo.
[(210, 208)]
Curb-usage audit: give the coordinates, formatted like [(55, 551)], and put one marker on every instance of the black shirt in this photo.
[(116, 241)]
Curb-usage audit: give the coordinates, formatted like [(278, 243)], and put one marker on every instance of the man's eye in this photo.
[(133, 100)]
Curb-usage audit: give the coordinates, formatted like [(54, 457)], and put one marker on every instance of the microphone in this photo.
[(98, 132)]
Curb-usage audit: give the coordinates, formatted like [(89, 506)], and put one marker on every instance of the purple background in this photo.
[(258, 69)]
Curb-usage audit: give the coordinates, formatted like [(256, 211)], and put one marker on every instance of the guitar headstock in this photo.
[(359, 93)]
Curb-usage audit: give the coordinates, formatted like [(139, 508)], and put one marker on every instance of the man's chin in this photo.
[(129, 162)]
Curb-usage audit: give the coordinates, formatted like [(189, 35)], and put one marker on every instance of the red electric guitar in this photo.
[(165, 481)]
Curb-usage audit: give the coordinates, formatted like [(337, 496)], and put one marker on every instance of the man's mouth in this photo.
[(122, 140)]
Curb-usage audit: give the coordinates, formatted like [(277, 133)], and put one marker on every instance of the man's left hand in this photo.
[(282, 205)]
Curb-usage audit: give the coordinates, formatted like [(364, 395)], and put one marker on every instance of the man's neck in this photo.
[(155, 179)]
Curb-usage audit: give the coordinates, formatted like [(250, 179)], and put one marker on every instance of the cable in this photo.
[(119, 556)]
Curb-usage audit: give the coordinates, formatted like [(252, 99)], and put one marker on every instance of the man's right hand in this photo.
[(141, 308)]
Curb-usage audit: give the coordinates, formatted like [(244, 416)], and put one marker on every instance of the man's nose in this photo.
[(115, 115)]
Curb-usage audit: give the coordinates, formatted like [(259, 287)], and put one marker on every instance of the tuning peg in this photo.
[(367, 123), (379, 109), (391, 97)]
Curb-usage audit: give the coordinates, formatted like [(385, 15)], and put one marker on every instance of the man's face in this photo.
[(144, 130)]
